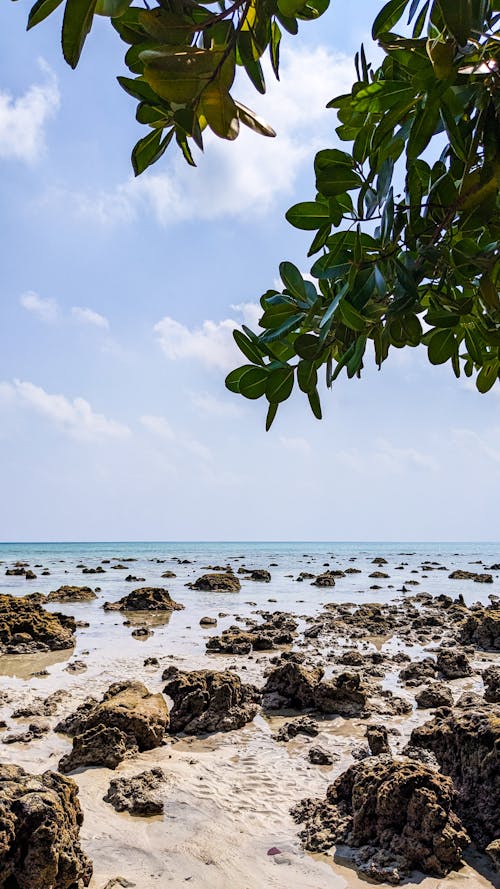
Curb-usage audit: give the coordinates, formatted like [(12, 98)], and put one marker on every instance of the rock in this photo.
[(377, 738), (344, 695), (41, 706), (218, 582), (301, 726), (470, 575), (118, 883), (482, 629), (434, 695), (305, 575), (142, 633), (72, 594), (99, 745), (493, 850), (40, 820), (98, 570), (26, 627), (466, 744), (278, 629), (453, 664), (207, 701), (137, 795), (379, 575), (130, 578), (140, 717), (324, 580), (208, 622), (168, 574), (76, 667), (319, 756), (260, 574), (418, 672), (34, 730), (145, 599), (491, 679), (291, 685), (30, 575), (397, 814)]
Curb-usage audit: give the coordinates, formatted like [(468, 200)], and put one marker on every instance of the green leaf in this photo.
[(388, 16), (424, 126), (351, 317), (279, 384), (252, 384), (276, 334), (40, 10), (249, 349), (293, 280), (307, 375), (441, 346), (149, 149), (233, 378), (315, 404), (274, 48), (253, 121), (112, 8), (307, 346), (271, 413), (77, 22), (309, 215), (487, 376)]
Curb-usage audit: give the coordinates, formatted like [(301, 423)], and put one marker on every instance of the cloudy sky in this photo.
[(117, 302)]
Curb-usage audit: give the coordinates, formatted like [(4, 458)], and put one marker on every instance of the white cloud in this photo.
[(474, 442), (212, 343), (213, 406), (23, 119), (87, 316), (159, 426), (44, 308), (386, 458), (242, 178), (75, 417)]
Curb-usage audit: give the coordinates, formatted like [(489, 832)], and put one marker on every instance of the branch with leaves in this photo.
[(397, 268)]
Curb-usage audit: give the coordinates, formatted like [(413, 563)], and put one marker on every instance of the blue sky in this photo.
[(117, 301)]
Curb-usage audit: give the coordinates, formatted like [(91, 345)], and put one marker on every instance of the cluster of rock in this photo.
[(26, 627), (226, 583), (482, 628), (206, 701), (277, 629), (127, 719), (72, 594), (40, 819), (396, 815), (293, 685)]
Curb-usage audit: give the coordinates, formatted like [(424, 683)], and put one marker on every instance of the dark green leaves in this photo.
[(40, 10), (279, 384), (308, 215), (388, 16), (77, 22)]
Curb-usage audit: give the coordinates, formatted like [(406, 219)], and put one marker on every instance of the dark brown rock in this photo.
[(221, 582), (145, 599), (72, 594), (40, 820), (99, 745), (434, 695), (482, 628), (377, 737), (343, 695), (304, 725), (138, 794), (453, 664), (26, 627), (491, 679), (291, 684), (397, 814), (207, 701)]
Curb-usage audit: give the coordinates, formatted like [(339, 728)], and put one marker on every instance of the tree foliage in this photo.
[(406, 223), (405, 220), (183, 56)]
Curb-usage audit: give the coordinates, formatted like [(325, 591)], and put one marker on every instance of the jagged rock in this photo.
[(213, 582), (344, 695), (99, 745), (34, 730), (76, 667), (140, 717), (453, 664), (491, 679), (41, 706), (324, 580), (146, 598), (397, 814), (72, 594), (40, 820), (207, 701), (482, 628), (301, 726), (493, 850), (470, 575), (466, 744), (260, 574), (26, 627), (434, 695), (291, 684), (278, 629), (319, 756), (208, 622), (138, 794), (419, 672), (377, 738)]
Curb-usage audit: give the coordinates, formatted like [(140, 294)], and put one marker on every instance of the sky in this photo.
[(118, 297)]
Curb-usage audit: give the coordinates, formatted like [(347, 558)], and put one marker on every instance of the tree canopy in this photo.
[(405, 220)]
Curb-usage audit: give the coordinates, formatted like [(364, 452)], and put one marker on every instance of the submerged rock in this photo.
[(146, 598), (466, 744), (138, 794), (40, 820), (26, 627), (217, 582), (397, 814), (207, 701)]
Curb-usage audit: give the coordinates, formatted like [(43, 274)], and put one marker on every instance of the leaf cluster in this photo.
[(406, 222)]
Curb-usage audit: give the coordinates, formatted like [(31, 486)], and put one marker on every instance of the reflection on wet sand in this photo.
[(22, 666)]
